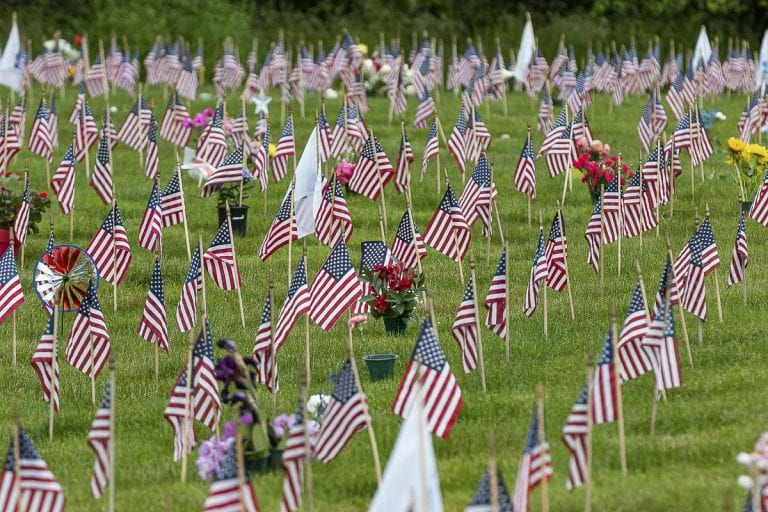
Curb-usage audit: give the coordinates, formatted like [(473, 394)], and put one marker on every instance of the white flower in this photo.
[(745, 482), (113, 109), (368, 66), (317, 404), (720, 116), (331, 94), (385, 68), (744, 459), (410, 90)]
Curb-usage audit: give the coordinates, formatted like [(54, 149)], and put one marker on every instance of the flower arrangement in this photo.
[(757, 465), (750, 162), (344, 171), (598, 166), (199, 120), (10, 200), (395, 290)]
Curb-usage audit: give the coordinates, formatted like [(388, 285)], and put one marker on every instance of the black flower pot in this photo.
[(595, 195), (239, 219), (395, 326)]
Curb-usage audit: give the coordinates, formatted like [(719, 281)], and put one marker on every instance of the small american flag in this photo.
[(100, 441), (178, 412), (525, 170), (211, 147), (406, 248), (538, 274), (668, 279), (447, 231), (133, 132), (323, 136), (740, 256), (535, 464), (286, 146), (694, 297), (496, 300), (109, 248), (219, 260), (475, 200), (759, 209), (53, 121), (483, 500), (339, 134), (153, 326), (425, 109), (151, 227), (645, 129), (96, 79), (372, 171), (296, 304), (660, 343), (404, 159), (629, 349), (101, 181), (11, 295), (27, 484), (88, 346), (63, 182), (593, 235), (262, 349), (240, 130), (545, 114), (555, 253), (173, 127), (186, 310), (561, 154), (151, 165), (554, 133), (431, 148), (230, 170), (21, 220), (294, 457), (9, 141), (575, 439), (42, 362), (346, 414), (457, 141), (580, 126), (172, 202), (205, 390), (428, 377), (333, 221), (682, 136), (40, 137), (464, 328), (231, 491), (334, 290), (374, 253), (283, 228), (604, 397)]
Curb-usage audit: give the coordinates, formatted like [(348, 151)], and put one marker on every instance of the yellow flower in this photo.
[(272, 150), (756, 150), (736, 145), (363, 48)]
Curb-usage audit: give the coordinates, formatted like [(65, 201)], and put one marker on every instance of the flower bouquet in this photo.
[(598, 166), (750, 162), (11, 197), (395, 294)]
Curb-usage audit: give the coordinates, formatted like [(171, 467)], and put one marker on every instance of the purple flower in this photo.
[(200, 120), (208, 112), (230, 429), (226, 368), (228, 345), (282, 424), (247, 419)]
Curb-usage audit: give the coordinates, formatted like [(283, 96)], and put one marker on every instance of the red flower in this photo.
[(380, 304), (43, 195), (402, 284), (78, 40)]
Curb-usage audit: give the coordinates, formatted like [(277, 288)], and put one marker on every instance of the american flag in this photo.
[(286, 146), (63, 182), (86, 132), (561, 154), (293, 459), (478, 138), (187, 83), (96, 79), (535, 464), (333, 221), (447, 231), (150, 161), (604, 397), (231, 491), (40, 137), (186, 310), (406, 248), (335, 289), (694, 297), (457, 145), (612, 210), (431, 148), (211, 147), (219, 260), (709, 255), (21, 220), (205, 391), (660, 343), (682, 136), (229, 171), (475, 200), (645, 128), (27, 484), (9, 141), (545, 114), (101, 181), (53, 123), (323, 136), (555, 254), (109, 248), (575, 439), (346, 414), (659, 116), (296, 304), (483, 500), (701, 146), (339, 134), (374, 252), (555, 133), (133, 132), (260, 154), (464, 328), (538, 274), (88, 346), (372, 171), (282, 230), (580, 126), (151, 227), (265, 357), (525, 170), (740, 256), (404, 159), (629, 349), (240, 130), (153, 325), (675, 96), (173, 127), (668, 279), (100, 441), (654, 178), (42, 362), (172, 202), (496, 300), (634, 207), (759, 209), (11, 295), (425, 109)]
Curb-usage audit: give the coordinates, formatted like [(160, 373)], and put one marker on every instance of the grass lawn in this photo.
[(688, 465)]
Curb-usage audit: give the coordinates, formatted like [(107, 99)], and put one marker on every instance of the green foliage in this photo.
[(396, 290), (10, 201), (230, 193)]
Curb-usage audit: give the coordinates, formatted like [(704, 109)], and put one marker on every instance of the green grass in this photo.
[(688, 465)]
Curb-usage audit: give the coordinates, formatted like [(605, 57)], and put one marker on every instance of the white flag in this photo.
[(10, 76), (411, 481), (703, 50), (762, 68), (525, 52), (309, 187)]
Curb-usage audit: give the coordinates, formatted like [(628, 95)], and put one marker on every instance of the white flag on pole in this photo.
[(10, 76), (309, 187), (703, 50), (525, 52)]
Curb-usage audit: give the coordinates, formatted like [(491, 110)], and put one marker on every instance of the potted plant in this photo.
[(750, 162), (598, 166), (380, 366), (230, 193), (11, 196), (396, 290)]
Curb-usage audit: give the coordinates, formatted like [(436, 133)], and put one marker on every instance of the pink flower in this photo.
[(344, 171), (200, 119), (207, 112), (357, 320)]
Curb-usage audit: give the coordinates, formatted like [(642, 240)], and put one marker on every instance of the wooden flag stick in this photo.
[(272, 355), (112, 393), (477, 322), (307, 356), (138, 103), (92, 371), (543, 285), (308, 498), (541, 435), (690, 154), (656, 388), (455, 241), (590, 401), (717, 280), (234, 257), (506, 298), (601, 249), (565, 262), (620, 215), (188, 420), (617, 391), (381, 181), (12, 247), (381, 224), (183, 207), (680, 307), (241, 473), (55, 384), (291, 219), (700, 323), (369, 423)]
